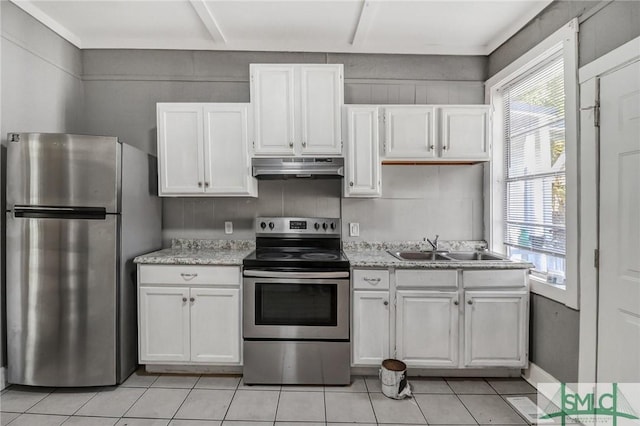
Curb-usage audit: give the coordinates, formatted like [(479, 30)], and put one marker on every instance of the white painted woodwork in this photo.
[(190, 274), (370, 327), (464, 132), (495, 328), (180, 148), (618, 351), (371, 279), (297, 109), (362, 155), (321, 92), (226, 150), (215, 325), (409, 132), (164, 324), (272, 97), (495, 278), (203, 149), (427, 328), (415, 278)]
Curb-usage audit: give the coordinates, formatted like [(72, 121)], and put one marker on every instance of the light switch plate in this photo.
[(228, 227), (354, 229)]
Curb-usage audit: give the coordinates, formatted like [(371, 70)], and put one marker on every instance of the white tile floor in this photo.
[(180, 400)]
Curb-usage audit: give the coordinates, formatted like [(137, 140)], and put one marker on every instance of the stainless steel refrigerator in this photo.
[(79, 209)]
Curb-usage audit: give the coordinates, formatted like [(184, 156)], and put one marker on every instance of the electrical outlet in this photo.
[(228, 227), (354, 229)]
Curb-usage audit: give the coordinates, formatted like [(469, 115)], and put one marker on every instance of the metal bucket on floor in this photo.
[(393, 379)]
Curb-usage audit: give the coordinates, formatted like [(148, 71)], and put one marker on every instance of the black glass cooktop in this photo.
[(296, 257)]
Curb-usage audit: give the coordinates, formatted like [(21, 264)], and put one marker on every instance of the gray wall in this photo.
[(42, 91), (603, 27), (123, 86)]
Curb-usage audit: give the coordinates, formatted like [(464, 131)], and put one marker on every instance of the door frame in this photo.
[(589, 208)]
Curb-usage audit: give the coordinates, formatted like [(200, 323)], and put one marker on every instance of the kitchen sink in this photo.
[(420, 255), (475, 255)]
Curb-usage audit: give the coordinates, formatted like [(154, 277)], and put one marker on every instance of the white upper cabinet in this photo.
[(436, 133), (464, 132), (297, 109), (409, 132), (363, 167), (203, 149)]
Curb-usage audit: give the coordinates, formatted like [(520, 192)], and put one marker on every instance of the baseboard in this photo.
[(535, 374), (3, 378), (444, 372)]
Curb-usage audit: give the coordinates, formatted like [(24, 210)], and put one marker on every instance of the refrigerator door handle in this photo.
[(43, 212)]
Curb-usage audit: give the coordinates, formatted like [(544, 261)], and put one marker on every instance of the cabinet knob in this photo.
[(206, 184), (184, 299), (444, 147), (431, 147), (304, 144), (455, 302), (350, 183), (290, 144), (192, 299), (386, 303), (199, 184), (469, 302)]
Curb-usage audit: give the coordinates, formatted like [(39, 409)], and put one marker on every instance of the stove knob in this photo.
[(324, 226), (271, 225), (263, 225), (317, 226), (333, 226)]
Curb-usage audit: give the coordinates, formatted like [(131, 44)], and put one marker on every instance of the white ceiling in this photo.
[(472, 27)]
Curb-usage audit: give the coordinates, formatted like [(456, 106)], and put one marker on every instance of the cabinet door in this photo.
[(427, 328), (370, 327), (362, 154), (409, 132), (272, 96), (215, 325), (464, 132), (227, 163), (164, 324), (495, 329), (180, 148), (320, 101)]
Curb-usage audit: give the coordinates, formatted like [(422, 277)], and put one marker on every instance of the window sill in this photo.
[(545, 289)]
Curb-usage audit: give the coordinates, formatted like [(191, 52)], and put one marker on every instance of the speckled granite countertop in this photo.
[(200, 252), (375, 255)]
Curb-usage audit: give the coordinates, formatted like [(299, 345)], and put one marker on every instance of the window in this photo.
[(531, 196), (534, 170)]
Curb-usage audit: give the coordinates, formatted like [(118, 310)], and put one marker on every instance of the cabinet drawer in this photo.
[(494, 278), (371, 279), (190, 275), (427, 279)]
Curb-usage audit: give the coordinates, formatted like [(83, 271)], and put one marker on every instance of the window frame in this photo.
[(566, 40)]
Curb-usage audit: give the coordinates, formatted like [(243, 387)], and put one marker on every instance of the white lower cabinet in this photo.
[(427, 328), (370, 327), (495, 329), (183, 319)]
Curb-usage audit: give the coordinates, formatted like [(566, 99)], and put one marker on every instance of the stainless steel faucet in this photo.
[(434, 243)]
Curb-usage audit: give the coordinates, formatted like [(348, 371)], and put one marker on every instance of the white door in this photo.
[(464, 132), (619, 278), (409, 132), (215, 325), (362, 153), (370, 327), (180, 148), (427, 328), (320, 101), (164, 324), (273, 99), (226, 150), (495, 332)]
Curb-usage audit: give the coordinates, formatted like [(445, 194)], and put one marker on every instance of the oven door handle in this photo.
[(274, 274)]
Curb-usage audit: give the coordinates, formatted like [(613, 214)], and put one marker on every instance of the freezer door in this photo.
[(50, 169), (61, 300)]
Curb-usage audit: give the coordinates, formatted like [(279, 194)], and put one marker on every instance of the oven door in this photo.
[(296, 305)]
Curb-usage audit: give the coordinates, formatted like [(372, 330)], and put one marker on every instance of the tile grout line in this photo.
[(370, 400), (235, 391), (466, 408)]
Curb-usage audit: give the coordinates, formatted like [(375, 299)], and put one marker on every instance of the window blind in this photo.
[(535, 185)]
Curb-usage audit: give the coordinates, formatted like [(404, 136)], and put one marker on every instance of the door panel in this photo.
[(63, 171), (409, 132), (363, 158), (464, 132), (61, 301), (370, 327), (321, 98), (619, 278)]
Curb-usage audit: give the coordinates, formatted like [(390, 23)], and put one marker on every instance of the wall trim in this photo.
[(618, 57), (536, 375), (3, 378)]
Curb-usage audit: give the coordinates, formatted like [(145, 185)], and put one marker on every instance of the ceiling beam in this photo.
[(364, 22), (209, 21), (64, 32)]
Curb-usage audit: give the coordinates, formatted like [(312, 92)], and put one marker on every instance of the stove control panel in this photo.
[(311, 226)]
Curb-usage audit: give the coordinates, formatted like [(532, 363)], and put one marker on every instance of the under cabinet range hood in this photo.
[(298, 168)]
